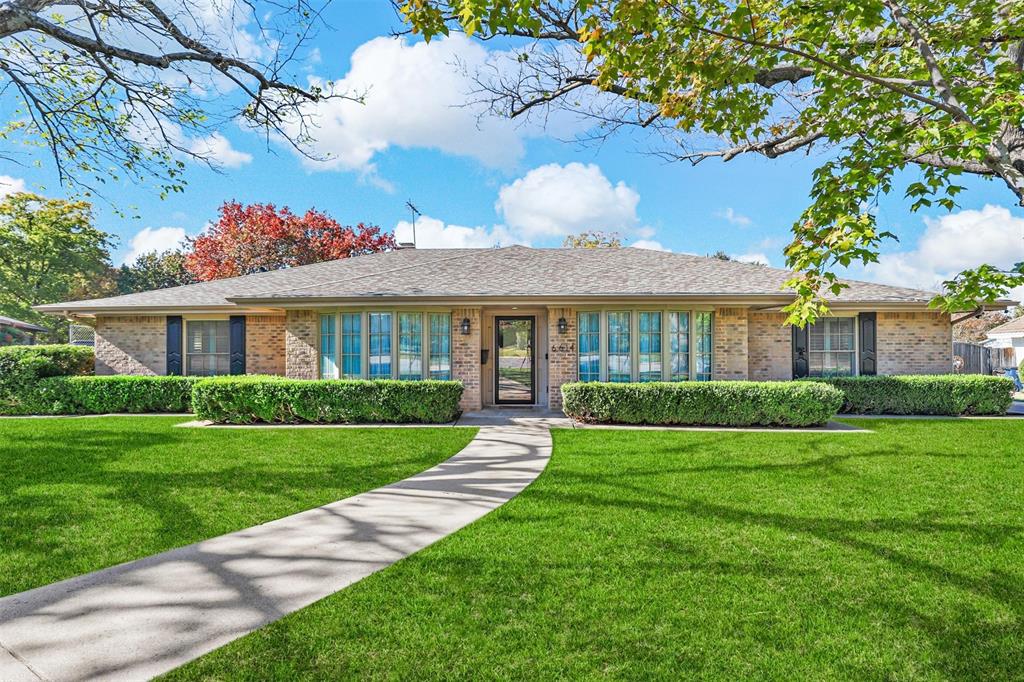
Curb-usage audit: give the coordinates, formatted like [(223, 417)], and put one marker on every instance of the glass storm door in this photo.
[(515, 374)]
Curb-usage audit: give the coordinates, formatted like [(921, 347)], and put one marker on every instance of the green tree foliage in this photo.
[(153, 271), (881, 85), (593, 240), (51, 252)]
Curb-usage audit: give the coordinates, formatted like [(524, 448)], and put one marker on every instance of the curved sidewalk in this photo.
[(143, 618)]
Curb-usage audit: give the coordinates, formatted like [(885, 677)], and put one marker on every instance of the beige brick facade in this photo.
[(562, 354), (300, 344), (769, 347), (915, 343), (131, 344), (264, 344), (466, 357), (730, 344)]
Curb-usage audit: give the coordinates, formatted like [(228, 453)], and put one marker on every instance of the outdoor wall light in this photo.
[(563, 326), (464, 327)]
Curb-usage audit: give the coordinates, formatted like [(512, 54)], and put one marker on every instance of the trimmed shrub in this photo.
[(943, 394), (703, 403), (247, 400), (106, 394), (21, 367)]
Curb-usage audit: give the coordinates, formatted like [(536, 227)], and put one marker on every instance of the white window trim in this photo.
[(364, 339)]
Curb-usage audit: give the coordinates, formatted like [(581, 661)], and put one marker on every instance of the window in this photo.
[(832, 346), (380, 345), (589, 325), (649, 341), (328, 364), (702, 338), (619, 359), (679, 345), (410, 346), (440, 346), (206, 347), (351, 345)]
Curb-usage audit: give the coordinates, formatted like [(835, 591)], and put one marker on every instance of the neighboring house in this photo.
[(513, 324), (1010, 337), (17, 332)]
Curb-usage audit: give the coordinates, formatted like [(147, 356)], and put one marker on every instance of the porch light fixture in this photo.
[(464, 326), (563, 326)]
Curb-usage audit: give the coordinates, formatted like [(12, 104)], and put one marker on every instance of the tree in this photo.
[(126, 89), (721, 255), (593, 240), (258, 237), (51, 251), (153, 271), (881, 85), (974, 329)]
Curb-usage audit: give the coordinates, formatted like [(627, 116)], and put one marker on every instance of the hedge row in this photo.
[(246, 400), (107, 394), (946, 394), (709, 403), (22, 367)]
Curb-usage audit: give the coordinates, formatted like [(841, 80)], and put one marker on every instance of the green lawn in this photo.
[(77, 495), (639, 554)]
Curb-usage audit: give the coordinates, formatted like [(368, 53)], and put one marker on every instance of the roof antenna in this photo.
[(415, 212)]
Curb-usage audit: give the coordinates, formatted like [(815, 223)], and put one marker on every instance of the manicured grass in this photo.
[(77, 495), (673, 555)]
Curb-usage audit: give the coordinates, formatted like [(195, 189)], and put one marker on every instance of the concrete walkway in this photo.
[(141, 619)]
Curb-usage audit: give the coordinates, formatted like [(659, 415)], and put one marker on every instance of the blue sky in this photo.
[(495, 182)]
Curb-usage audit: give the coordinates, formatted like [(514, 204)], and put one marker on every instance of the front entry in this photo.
[(515, 375)]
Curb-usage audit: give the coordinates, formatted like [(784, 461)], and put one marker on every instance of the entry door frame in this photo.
[(533, 359)]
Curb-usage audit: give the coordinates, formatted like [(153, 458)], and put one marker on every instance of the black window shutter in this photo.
[(174, 345), (868, 343), (236, 343), (801, 367)]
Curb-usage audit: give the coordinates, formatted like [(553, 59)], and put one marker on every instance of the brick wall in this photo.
[(466, 357), (915, 343), (562, 354), (730, 344), (300, 344), (769, 347), (265, 344), (131, 344)]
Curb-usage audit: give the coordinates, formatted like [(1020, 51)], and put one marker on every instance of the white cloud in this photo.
[(555, 200), (649, 244), (157, 239), (415, 96), (733, 218), (218, 149), (432, 233), (752, 258), (9, 185), (952, 243)]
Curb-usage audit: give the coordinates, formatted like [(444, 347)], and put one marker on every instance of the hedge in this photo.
[(944, 394), (21, 368), (247, 400), (106, 394), (703, 403)]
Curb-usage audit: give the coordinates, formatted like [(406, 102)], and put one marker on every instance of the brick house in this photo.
[(513, 324)]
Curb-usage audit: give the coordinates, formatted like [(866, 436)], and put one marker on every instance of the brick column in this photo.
[(563, 360), (265, 344), (300, 344), (770, 347), (466, 357), (730, 344)]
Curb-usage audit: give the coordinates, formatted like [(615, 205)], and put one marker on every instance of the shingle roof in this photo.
[(506, 272), (1015, 326)]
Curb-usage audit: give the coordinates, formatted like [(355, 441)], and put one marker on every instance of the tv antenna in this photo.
[(415, 212)]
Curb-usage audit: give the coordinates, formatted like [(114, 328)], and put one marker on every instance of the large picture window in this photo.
[(380, 345), (410, 346), (649, 340), (328, 347), (832, 347), (679, 345), (386, 345), (619, 358), (440, 346), (702, 337), (206, 348), (589, 325)]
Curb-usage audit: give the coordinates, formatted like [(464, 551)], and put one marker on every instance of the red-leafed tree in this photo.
[(259, 237)]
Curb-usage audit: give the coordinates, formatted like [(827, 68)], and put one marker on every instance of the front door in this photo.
[(515, 370)]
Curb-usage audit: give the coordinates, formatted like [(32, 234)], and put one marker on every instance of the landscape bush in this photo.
[(252, 399), (22, 367), (703, 403), (943, 394), (107, 394)]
